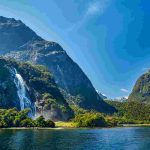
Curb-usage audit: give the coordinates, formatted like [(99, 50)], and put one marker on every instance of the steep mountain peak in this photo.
[(9, 21), (141, 89), (20, 42), (14, 34)]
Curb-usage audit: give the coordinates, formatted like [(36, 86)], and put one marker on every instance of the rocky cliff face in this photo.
[(141, 90), (20, 42), (26, 86), (14, 34)]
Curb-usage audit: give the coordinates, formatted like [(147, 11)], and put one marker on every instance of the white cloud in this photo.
[(93, 8), (97, 7), (124, 90)]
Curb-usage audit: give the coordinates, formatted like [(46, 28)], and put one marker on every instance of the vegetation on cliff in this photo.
[(141, 89), (19, 42), (131, 112), (128, 112), (41, 89)]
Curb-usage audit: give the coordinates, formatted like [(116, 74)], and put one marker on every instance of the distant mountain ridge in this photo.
[(21, 43)]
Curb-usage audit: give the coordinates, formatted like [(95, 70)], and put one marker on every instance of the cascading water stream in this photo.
[(25, 102)]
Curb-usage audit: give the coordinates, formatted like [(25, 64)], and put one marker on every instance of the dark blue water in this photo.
[(76, 139)]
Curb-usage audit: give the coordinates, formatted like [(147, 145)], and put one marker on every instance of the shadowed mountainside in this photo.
[(20, 42), (45, 99)]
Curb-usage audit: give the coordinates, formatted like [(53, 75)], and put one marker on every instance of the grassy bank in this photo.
[(136, 125), (61, 124)]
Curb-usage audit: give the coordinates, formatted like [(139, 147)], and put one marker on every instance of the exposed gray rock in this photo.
[(19, 42), (18, 88)]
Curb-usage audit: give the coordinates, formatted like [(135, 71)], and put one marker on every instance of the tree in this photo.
[(27, 123), (90, 119), (50, 123), (40, 122)]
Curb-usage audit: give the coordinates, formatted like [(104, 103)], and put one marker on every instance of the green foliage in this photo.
[(90, 119), (131, 111), (28, 122), (86, 118), (40, 79), (14, 118), (50, 123), (137, 111), (7, 87), (141, 90), (41, 87), (40, 122), (77, 110), (120, 107)]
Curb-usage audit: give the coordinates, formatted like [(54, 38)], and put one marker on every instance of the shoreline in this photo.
[(32, 128), (63, 127), (136, 125)]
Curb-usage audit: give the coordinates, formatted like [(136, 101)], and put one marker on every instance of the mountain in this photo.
[(120, 99), (141, 90), (19, 42), (23, 85), (103, 96)]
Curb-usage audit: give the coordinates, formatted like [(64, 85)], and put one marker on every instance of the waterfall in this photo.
[(25, 101)]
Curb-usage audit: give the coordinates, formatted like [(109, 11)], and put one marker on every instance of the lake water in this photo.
[(132, 138)]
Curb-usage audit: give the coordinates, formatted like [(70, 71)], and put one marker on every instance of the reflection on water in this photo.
[(74, 139)]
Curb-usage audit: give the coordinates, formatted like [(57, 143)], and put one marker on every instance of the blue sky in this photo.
[(109, 39)]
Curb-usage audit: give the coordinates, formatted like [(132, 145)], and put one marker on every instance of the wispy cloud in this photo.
[(93, 8), (96, 7), (124, 90)]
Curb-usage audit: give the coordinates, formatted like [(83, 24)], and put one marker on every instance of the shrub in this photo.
[(40, 122), (14, 118), (50, 123), (90, 119), (27, 123)]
